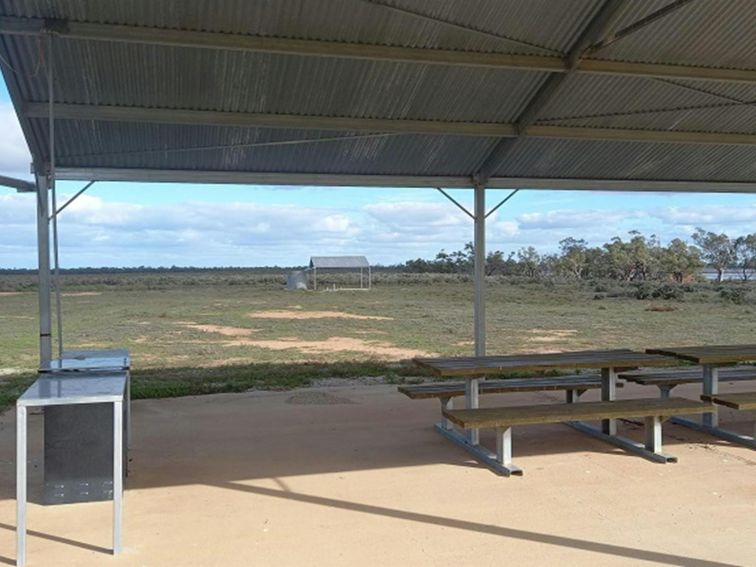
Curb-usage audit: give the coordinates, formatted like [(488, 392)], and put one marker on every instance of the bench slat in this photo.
[(587, 411), (453, 389), (687, 375), (739, 401)]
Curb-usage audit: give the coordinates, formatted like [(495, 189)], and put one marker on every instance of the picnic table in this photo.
[(610, 362), (712, 358)]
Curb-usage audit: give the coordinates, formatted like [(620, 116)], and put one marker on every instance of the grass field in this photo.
[(193, 334)]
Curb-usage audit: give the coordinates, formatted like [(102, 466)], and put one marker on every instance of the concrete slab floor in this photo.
[(356, 476)]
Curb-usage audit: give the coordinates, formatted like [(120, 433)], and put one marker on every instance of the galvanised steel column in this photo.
[(472, 391), (43, 262), (480, 270)]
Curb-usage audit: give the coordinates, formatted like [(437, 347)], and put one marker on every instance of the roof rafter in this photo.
[(465, 28), (89, 112), (603, 21), (639, 25), (317, 48)]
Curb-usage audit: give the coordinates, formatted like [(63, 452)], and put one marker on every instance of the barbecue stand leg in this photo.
[(117, 476), (21, 485)]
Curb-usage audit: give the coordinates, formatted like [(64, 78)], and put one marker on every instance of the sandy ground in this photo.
[(356, 476)]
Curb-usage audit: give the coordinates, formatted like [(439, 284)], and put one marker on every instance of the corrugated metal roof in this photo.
[(580, 159), (548, 23), (347, 262), (716, 34), (713, 33)]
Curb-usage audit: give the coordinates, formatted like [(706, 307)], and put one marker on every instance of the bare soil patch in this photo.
[(551, 335), (9, 293), (220, 329), (81, 293), (379, 349), (296, 314)]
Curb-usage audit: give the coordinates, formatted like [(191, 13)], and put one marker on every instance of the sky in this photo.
[(139, 224)]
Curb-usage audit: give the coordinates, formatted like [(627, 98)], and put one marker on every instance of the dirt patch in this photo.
[(551, 335), (220, 329), (81, 293), (335, 344), (315, 398), (297, 314), (9, 293)]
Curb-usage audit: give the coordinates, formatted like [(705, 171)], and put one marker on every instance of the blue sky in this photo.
[(118, 224)]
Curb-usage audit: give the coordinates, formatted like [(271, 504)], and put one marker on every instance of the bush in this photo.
[(648, 290), (736, 295)]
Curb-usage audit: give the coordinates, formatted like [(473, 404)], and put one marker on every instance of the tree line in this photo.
[(634, 259)]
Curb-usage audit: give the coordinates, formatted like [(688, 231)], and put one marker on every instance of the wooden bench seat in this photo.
[(549, 383), (504, 418), (743, 401), (689, 375)]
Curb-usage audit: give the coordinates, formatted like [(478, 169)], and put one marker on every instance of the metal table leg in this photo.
[(117, 475), (472, 401), (711, 388), (21, 485), (608, 394)]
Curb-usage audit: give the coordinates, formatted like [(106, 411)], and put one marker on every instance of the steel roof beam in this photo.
[(18, 184), (317, 48), (426, 127), (419, 181), (639, 24), (262, 120)]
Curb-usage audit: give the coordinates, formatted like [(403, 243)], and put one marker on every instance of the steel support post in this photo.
[(480, 270), (43, 264), (710, 388)]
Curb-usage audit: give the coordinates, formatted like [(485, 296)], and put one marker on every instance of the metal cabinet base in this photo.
[(78, 461)]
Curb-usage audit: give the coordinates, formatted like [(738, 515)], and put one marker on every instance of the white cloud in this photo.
[(14, 155), (97, 231), (573, 218), (708, 215)]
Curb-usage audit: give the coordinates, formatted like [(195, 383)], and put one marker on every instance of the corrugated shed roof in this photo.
[(100, 73), (346, 262)]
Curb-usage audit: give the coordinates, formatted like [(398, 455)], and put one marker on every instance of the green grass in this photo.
[(428, 314)]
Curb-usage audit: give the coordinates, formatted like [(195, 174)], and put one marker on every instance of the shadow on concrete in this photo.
[(57, 539), (500, 531)]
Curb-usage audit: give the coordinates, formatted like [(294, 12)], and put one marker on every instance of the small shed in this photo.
[(345, 264)]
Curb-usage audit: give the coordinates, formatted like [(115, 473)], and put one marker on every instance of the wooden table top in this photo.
[(715, 354), (481, 365)]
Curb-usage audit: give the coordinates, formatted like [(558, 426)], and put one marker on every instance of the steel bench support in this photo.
[(472, 401), (628, 445), (731, 436), (480, 453)]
